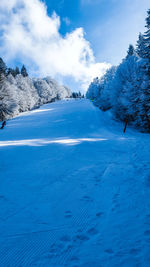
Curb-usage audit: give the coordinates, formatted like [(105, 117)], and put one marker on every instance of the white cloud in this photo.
[(31, 36)]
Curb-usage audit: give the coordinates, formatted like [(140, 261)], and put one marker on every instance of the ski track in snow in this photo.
[(75, 190)]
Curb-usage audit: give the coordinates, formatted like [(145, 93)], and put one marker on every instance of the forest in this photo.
[(19, 92), (125, 89)]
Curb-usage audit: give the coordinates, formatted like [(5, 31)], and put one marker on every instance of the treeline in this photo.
[(14, 72), (19, 92), (126, 89), (77, 95)]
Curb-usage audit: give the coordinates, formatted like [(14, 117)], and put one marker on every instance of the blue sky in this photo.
[(110, 25), (71, 41)]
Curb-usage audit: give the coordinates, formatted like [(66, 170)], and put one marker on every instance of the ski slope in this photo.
[(74, 190)]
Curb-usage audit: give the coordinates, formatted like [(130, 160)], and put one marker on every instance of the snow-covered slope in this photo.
[(74, 190)]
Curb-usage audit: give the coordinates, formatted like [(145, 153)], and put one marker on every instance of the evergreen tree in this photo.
[(127, 90), (3, 95), (24, 71), (11, 71), (94, 89), (145, 86), (140, 46), (17, 71), (2, 78), (130, 51), (2, 67), (79, 94), (75, 95), (147, 37)]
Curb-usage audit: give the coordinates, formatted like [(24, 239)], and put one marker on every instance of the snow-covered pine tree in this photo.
[(2, 79), (24, 71), (147, 39), (101, 90), (145, 86), (126, 93), (130, 51), (93, 91), (105, 100), (8, 96), (140, 46), (3, 67)]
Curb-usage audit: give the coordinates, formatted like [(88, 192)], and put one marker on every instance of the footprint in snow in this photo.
[(65, 238), (2, 197), (55, 248), (135, 251), (86, 198), (68, 214), (99, 214), (92, 231), (109, 251), (81, 237), (147, 233), (74, 258)]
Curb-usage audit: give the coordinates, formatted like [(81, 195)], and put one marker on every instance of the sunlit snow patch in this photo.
[(42, 142)]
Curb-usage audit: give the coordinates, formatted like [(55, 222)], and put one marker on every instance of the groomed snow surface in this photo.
[(74, 190)]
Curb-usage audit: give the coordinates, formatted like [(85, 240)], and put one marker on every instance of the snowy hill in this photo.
[(74, 190)]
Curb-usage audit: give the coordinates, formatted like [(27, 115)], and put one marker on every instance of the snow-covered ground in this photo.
[(74, 190)]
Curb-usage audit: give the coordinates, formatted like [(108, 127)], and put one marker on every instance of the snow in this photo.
[(75, 190)]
